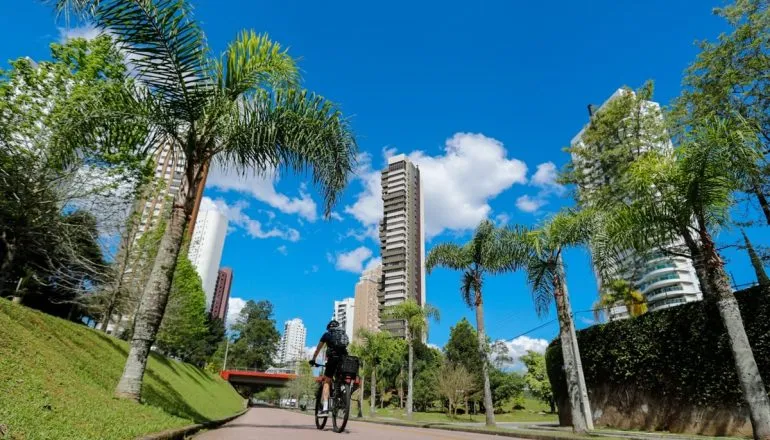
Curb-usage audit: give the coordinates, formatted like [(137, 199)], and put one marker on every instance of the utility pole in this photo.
[(227, 348)]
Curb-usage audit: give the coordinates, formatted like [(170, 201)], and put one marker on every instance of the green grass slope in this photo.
[(57, 380)]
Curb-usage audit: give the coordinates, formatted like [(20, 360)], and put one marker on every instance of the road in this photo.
[(270, 423)]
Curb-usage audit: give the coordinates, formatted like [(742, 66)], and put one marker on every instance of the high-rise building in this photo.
[(367, 310), (402, 238), (206, 246), (222, 293), (292, 348), (169, 173), (665, 280), (344, 312)]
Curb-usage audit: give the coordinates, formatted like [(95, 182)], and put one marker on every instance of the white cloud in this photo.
[(336, 216), (353, 261), (529, 204), (309, 351), (262, 188), (89, 32), (520, 346), (371, 231), (374, 262), (282, 249), (234, 307), (254, 228), (544, 178), (502, 219), (457, 185), (313, 269)]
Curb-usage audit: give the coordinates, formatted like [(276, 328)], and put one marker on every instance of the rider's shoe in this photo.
[(323, 413)]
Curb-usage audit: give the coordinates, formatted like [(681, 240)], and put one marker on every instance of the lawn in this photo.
[(57, 380), (531, 413)]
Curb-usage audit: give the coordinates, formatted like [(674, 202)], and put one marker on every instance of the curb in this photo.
[(183, 432), (468, 429)]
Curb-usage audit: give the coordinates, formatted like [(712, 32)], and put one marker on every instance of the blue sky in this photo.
[(503, 85)]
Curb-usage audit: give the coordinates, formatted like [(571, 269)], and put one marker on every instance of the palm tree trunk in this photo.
[(488, 406), (756, 262), (763, 203), (584, 402), (153, 303), (410, 386), (570, 366), (753, 387), (373, 391)]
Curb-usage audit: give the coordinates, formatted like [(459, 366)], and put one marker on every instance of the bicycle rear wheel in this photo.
[(341, 410), (320, 422)]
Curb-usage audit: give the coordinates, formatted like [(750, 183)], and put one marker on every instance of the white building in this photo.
[(666, 281), (206, 246), (402, 238), (344, 313), (292, 348)]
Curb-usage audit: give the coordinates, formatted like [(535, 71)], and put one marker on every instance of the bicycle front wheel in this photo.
[(341, 410)]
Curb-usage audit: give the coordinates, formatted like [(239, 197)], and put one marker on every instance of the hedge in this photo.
[(679, 354)]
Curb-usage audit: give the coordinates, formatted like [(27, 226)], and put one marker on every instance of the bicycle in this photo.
[(345, 381)]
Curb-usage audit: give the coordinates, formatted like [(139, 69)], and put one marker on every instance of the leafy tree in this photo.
[(729, 80), (462, 348), (303, 387), (257, 338), (476, 258), (243, 109), (506, 386), (539, 252), (50, 188), (686, 198), (416, 318), (383, 355), (621, 292), (536, 378), (184, 324), (428, 362)]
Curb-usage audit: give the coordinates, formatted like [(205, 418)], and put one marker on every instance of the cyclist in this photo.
[(336, 341)]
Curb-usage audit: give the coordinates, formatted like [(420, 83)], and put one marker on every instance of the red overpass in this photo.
[(254, 377)]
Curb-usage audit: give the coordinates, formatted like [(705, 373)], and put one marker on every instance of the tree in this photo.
[(475, 259), (416, 318), (377, 352), (536, 378), (57, 198), (184, 324), (756, 262), (624, 293), (428, 362), (729, 80), (243, 110), (454, 383), (462, 347), (505, 387), (539, 252), (686, 197), (304, 385), (257, 338)]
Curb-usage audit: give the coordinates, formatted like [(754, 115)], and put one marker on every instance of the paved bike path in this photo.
[(270, 423)]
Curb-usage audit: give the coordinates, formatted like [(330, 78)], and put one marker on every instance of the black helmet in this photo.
[(332, 324)]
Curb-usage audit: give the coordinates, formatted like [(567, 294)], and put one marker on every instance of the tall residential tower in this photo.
[(665, 280), (344, 311), (402, 238), (292, 348), (367, 311), (206, 247), (222, 293)]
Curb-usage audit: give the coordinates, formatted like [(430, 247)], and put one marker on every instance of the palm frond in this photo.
[(541, 275), (291, 129), (80, 8), (166, 48), (448, 255), (252, 61), (468, 287)]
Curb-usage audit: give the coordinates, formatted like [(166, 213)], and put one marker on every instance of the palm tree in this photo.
[(242, 109), (621, 292), (539, 252), (476, 258), (685, 197), (416, 318), (372, 350)]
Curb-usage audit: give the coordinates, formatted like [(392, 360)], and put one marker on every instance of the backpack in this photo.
[(338, 340)]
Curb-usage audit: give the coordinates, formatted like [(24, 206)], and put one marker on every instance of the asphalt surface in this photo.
[(270, 423)]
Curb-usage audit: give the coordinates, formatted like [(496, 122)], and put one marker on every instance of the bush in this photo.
[(680, 354)]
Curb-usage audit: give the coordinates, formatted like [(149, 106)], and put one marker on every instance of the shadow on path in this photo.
[(254, 425)]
